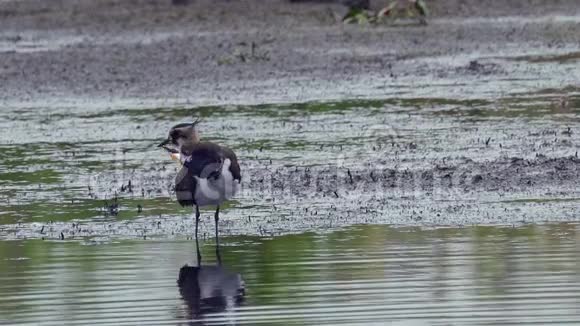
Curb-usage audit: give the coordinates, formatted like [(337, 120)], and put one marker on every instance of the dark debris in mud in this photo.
[(507, 175), (295, 199), (111, 208), (475, 67)]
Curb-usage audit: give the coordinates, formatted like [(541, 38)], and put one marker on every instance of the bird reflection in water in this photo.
[(210, 288)]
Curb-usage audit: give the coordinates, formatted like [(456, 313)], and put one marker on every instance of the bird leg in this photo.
[(197, 214), (217, 239)]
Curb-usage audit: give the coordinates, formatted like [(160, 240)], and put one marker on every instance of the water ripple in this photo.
[(361, 275)]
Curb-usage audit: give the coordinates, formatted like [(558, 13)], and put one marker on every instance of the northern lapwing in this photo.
[(209, 174)]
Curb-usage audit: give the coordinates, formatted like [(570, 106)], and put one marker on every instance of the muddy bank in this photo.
[(426, 161), (470, 120), (429, 163), (119, 53)]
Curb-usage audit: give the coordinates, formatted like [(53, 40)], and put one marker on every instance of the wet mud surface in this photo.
[(470, 120), (113, 53), (311, 166)]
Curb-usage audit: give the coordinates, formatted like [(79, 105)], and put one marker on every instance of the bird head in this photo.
[(181, 136)]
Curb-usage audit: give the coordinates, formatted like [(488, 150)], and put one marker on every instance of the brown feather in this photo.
[(206, 157)]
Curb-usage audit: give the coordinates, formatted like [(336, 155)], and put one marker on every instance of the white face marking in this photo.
[(180, 143)]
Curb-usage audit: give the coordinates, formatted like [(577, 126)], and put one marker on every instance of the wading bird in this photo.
[(209, 175)]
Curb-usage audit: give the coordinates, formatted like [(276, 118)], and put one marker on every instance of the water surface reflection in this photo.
[(210, 288), (364, 274)]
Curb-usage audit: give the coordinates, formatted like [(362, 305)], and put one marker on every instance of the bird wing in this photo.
[(205, 160), (185, 187)]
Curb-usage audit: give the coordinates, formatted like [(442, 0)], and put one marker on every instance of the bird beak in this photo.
[(164, 143)]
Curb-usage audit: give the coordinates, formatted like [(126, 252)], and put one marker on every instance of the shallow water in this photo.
[(361, 274)]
